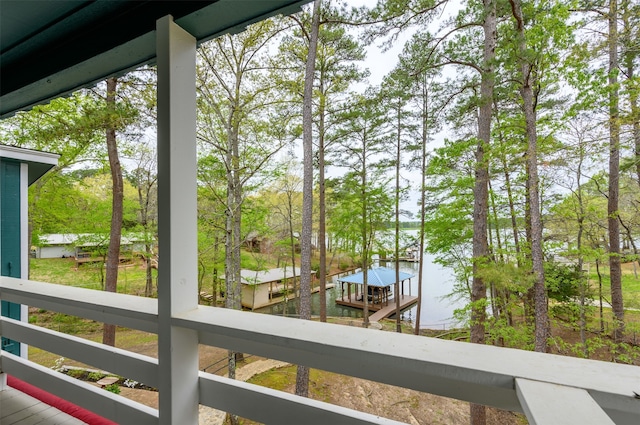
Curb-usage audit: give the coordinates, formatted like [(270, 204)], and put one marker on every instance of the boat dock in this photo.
[(406, 301), (381, 310)]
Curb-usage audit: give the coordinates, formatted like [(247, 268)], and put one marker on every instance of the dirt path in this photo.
[(209, 416)]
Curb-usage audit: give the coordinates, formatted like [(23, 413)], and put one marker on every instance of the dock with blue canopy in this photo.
[(380, 299)]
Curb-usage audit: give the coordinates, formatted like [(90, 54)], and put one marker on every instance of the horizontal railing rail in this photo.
[(104, 403), (471, 372), (276, 407), (108, 307), (143, 369), (516, 380)]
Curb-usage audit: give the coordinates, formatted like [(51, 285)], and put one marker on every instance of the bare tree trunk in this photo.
[(512, 213), (113, 253), (529, 297), (143, 201), (423, 199), (481, 191), (302, 375), (498, 298), (496, 228), (542, 330), (233, 239), (293, 245), (512, 210), (600, 296), (148, 287), (615, 269), (233, 242), (365, 244), (322, 219), (397, 213), (629, 41), (584, 280), (636, 133), (631, 56), (635, 114)]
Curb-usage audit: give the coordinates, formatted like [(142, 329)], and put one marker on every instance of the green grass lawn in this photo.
[(131, 277), (630, 284), (128, 339)]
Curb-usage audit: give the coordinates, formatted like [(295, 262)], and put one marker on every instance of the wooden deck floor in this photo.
[(383, 310), (18, 408)]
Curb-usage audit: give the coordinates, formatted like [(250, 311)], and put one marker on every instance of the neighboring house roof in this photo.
[(379, 276), (85, 239), (253, 277)]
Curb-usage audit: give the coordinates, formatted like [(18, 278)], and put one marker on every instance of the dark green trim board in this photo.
[(10, 264), (58, 46)]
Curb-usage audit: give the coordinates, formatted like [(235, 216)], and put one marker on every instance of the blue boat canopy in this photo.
[(379, 276)]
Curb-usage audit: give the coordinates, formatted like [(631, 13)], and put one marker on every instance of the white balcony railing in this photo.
[(549, 389)]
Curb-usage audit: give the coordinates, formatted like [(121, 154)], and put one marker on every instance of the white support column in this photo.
[(25, 244), (177, 225)]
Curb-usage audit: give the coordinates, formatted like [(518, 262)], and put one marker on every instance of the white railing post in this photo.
[(25, 243), (177, 226)]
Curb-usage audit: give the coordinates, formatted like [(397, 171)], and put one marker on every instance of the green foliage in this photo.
[(570, 312), (588, 349), (77, 373), (564, 282), (624, 352), (253, 261), (95, 376), (600, 347), (463, 315), (66, 204), (501, 332), (315, 266), (344, 265), (361, 201), (63, 126), (506, 276), (114, 388)]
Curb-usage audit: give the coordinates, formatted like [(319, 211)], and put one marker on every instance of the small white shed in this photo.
[(267, 287), (56, 245), (61, 245)]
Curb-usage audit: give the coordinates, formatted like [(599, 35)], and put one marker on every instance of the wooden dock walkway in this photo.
[(389, 310), (382, 310)]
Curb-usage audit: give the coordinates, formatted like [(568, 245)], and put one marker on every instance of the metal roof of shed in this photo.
[(82, 239), (379, 276), (253, 277), (49, 48)]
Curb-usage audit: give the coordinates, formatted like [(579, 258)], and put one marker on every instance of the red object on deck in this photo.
[(57, 402)]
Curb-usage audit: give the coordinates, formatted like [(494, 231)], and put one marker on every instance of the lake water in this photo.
[(437, 310)]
